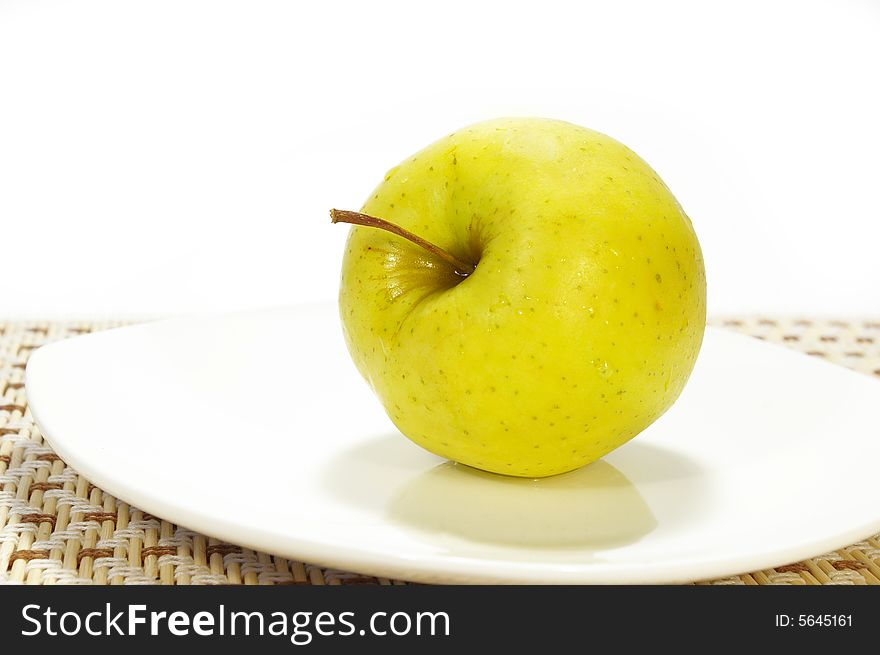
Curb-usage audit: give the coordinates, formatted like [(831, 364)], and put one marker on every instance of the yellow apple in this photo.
[(523, 295)]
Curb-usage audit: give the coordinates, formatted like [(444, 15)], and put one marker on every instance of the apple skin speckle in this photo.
[(481, 369)]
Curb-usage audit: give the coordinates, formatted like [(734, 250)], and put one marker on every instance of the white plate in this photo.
[(256, 428)]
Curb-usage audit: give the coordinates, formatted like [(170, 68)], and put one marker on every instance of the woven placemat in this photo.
[(57, 528)]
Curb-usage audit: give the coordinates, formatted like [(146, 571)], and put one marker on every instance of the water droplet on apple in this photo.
[(502, 302)]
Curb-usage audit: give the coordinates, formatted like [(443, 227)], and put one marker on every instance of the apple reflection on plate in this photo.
[(594, 507)]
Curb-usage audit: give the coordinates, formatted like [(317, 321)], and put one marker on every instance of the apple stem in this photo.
[(460, 267)]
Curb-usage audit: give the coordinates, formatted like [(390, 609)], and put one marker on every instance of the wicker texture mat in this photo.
[(56, 528)]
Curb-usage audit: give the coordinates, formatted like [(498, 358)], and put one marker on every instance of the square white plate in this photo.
[(257, 429)]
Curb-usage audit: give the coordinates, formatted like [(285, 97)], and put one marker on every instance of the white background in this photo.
[(177, 157)]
